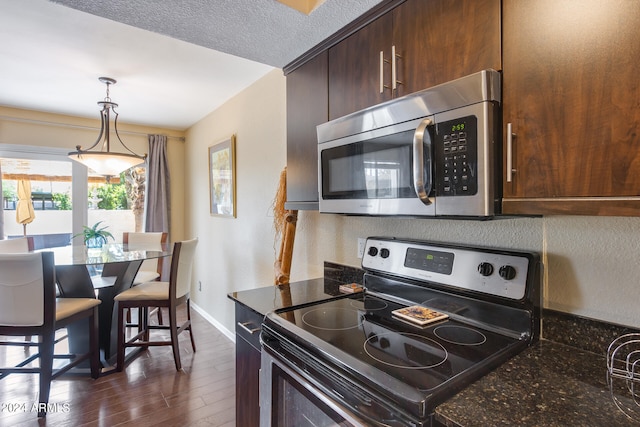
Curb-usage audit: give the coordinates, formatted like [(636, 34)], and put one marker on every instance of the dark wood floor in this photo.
[(150, 392)]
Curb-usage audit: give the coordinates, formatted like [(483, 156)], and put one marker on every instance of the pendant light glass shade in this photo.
[(103, 161), (107, 164)]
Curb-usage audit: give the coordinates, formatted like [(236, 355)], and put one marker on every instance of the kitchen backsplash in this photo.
[(343, 273), (580, 332)]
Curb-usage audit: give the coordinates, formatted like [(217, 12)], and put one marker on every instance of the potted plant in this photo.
[(95, 237)]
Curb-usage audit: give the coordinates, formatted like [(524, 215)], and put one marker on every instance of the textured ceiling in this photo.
[(175, 60), (265, 31)]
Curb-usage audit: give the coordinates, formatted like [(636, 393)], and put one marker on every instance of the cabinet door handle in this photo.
[(393, 64), (510, 169), (381, 71), (250, 331), (422, 181), (394, 68)]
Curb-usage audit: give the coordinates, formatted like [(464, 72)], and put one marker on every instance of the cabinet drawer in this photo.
[(248, 325)]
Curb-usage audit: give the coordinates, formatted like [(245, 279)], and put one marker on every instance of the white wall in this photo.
[(591, 266)]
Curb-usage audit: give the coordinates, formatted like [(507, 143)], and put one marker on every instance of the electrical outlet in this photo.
[(361, 244)]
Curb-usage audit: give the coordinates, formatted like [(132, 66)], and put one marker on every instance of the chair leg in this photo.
[(93, 342), (160, 321), (121, 338), (193, 343), (27, 338), (173, 328), (46, 372), (144, 319)]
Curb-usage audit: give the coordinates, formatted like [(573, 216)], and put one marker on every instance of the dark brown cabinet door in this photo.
[(248, 324), (307, 107), (354, 69), (571, 92), (434, 41), (247, 384), (441, 40)]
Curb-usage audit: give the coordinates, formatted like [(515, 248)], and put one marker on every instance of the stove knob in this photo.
[(373, 251), (485, 269), (384, 253), (507, 272), (384, 342)]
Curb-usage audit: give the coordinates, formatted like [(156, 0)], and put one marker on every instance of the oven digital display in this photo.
[(427, 260)]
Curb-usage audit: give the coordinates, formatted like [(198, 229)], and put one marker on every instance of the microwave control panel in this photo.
[(455, 151)]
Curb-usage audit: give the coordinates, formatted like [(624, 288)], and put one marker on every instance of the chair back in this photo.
[(151, 241), (18, 245), (181, 267), (27, 280)]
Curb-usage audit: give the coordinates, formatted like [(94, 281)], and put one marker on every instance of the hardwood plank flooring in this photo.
[(149, 392)]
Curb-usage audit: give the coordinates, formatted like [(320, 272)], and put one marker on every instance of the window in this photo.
[(66, 197)]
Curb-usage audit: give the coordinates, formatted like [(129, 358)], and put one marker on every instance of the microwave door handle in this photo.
[(422, 183)]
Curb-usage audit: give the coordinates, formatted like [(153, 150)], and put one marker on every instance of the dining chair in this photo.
[(170, 295), (28, 306), (151, 269), (18, 245)]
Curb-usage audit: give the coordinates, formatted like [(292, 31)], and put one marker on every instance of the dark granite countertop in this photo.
[(268, 298), (549, 384), (559, 381)]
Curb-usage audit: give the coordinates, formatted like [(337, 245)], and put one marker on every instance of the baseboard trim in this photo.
[(219, 326)]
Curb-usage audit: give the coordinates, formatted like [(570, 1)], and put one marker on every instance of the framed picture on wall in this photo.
[(222, 178)]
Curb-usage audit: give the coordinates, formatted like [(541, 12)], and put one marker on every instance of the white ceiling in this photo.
[(52, 53)]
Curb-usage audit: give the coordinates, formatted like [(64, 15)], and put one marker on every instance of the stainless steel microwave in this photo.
[(432, 153)]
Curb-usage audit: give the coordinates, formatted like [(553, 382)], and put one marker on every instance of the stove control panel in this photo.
[(496, 272)]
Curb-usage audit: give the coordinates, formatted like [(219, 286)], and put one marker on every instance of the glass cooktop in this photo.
[(424, 357)]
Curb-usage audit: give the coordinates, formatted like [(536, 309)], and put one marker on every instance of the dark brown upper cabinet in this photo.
[(571, 107), (419, 44), (307, 107), (354, 69)]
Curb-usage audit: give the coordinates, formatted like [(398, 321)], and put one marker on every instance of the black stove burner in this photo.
[(332, 318), (369, 304), (405, 350), (460, 335)]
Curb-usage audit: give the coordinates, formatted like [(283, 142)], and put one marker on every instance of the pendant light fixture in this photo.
[(103, 161)]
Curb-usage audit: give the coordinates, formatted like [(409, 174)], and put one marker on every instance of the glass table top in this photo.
[(109, 253)]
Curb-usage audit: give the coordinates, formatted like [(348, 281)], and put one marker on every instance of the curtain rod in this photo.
[(67, 125)]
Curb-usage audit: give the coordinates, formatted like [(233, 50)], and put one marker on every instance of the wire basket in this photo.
[(623, 373)]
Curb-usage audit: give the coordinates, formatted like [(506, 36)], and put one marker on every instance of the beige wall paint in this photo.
[(237, 253), (590, 262), (39, 129)]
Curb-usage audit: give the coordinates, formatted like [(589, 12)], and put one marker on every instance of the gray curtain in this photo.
[(158, 211)]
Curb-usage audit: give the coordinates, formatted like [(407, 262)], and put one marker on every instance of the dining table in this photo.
[(103, 273)]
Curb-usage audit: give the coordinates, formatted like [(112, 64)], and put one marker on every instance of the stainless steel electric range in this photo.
[(356, 361)]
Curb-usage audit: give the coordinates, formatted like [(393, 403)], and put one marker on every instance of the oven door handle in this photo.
[(421, 180)]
